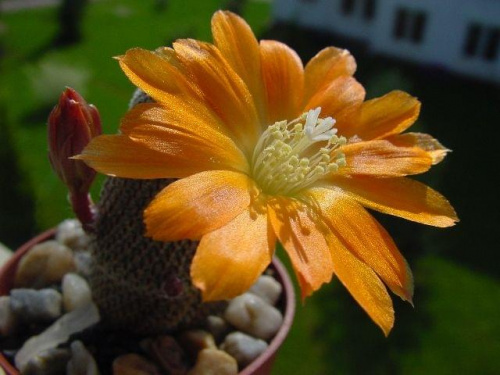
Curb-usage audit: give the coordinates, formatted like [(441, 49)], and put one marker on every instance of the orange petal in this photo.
[(364, 285), (158, 75), (223, 90), (196, 205), (363, 236), (174, 113), (118, 155), (182, 133), (229, 260), (328, 64), (168, 54), (237, 43), (401, 197), (424, 141), (338, 99), (384, 159), (302, 236), (162, 76), (390, 114), (283, 76)]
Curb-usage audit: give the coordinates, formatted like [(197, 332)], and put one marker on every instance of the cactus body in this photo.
[(141, 285)]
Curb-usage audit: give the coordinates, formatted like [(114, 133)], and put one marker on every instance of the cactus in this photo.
[(140, 284)]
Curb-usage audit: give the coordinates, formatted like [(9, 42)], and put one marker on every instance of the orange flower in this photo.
[(268, 150)]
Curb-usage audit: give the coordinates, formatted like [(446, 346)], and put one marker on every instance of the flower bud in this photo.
[(72, 124)]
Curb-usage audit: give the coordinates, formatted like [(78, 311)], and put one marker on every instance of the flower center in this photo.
[(290, 156)]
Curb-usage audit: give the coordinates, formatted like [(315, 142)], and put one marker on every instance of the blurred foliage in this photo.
[(454, 328)]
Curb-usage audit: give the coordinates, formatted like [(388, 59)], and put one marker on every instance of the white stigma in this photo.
[(290, 156), (319, 130)]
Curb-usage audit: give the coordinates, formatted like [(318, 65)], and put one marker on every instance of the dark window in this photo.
[(491, 50), (369, 9), (419, 21), (361, 8), (482, 41), (409, 25), (400, 23), (472, 40), (347, 6)]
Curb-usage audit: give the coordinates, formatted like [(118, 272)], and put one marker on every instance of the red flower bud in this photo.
[(72, 124)]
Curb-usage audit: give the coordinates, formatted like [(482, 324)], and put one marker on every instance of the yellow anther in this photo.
[(319, 170), (333, 167), (277, 134), (286, 148)]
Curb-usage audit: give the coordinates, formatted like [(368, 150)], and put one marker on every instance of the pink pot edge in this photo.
[(262, 365)]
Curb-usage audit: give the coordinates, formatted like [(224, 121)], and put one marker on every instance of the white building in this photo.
[(460, 35)]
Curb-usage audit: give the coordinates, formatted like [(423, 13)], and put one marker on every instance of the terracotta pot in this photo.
[(261, 366)]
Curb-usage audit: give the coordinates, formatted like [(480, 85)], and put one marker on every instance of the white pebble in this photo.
[(45, 264), (214, 362), (217, 326), (267, 288), (8, 320), (71, 234), (251, 314), (81, 362), (84, 262), (76, 291), (243, 348), (31, 306), (58, 333)]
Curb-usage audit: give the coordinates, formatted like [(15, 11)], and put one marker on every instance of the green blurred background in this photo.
[(455, 325)]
